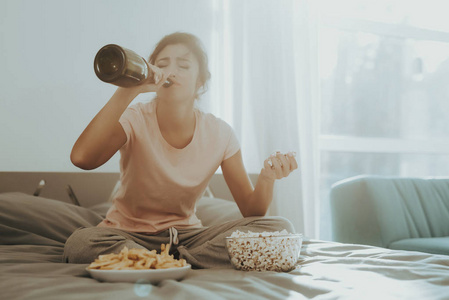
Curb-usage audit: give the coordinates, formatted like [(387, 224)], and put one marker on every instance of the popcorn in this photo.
[(264, 251)]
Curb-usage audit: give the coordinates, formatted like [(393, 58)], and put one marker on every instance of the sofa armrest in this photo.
[(353, 220)]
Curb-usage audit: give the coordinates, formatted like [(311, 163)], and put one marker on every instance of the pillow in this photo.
[(30, 220), (101, 208), (215, 211)]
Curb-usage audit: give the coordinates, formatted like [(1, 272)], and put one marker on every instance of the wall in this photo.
[(48, 88)]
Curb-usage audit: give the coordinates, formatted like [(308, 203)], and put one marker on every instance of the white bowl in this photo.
[(278, 253), (146, 276)]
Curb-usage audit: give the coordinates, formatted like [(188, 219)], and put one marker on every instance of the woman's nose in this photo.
[(172, 75), (171, 70)]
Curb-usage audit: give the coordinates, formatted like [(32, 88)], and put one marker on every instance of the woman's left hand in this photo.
[(279, 165)]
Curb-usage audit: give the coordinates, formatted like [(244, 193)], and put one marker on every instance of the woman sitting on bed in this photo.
[(169, 152)]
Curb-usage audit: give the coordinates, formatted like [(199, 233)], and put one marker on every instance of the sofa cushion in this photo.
[(410, 207), (215, 211), (436, 245)]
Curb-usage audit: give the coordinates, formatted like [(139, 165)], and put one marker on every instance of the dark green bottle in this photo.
[(122, 67)]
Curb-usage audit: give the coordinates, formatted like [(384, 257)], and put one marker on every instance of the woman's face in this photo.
[(183, 67)]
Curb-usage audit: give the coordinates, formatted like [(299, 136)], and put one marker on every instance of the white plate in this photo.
[(141, 276)]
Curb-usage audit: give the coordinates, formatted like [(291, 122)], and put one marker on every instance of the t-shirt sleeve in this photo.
[(128, 121), (232, 145)]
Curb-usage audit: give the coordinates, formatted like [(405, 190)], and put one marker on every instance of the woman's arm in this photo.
[(104, 135), (255, 201)]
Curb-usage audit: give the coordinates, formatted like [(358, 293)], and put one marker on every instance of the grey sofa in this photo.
[(392, 212)]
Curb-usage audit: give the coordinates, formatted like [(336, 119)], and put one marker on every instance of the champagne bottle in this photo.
[(122, 67)]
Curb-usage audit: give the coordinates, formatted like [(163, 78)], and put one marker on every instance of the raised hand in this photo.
[(279, 165)]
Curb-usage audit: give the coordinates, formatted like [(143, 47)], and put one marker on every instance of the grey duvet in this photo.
[(33, 231)]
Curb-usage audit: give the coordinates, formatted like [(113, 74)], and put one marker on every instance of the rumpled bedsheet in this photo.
[(33, 232)]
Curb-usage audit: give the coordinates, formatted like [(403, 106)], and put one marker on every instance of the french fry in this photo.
[(137, 259)]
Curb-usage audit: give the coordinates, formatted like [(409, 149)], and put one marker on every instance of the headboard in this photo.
[(90, 188)]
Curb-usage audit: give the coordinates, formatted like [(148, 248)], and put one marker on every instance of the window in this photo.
[(384, 96)]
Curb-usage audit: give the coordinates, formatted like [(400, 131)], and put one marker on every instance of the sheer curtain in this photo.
[(264, 67)]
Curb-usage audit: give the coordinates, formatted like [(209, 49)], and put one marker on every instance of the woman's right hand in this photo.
[(153, 83)]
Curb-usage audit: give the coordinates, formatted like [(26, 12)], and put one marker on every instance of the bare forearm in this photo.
[(256, 201), (90, 145), (281, 166), (261, 197), (102, 123)]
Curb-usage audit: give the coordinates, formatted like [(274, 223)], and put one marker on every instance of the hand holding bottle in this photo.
[(153, 83)]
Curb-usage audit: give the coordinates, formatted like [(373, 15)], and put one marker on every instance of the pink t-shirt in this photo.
[(160, 184)]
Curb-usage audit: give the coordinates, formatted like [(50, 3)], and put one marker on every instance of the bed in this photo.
[(35, 222)]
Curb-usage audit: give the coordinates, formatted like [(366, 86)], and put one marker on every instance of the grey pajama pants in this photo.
[(201, 247)]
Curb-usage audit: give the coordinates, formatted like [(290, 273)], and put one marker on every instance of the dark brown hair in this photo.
[(193, 44)]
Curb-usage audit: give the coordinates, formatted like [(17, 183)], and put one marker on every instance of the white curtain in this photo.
[(265, 84)]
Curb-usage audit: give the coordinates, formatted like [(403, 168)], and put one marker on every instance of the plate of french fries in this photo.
[(138, 265)]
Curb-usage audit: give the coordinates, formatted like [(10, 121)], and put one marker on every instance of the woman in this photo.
[(169, 152)]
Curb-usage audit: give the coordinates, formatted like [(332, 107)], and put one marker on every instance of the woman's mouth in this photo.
[(168, 83)]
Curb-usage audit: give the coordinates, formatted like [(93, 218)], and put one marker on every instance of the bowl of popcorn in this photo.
[(264, 251)]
